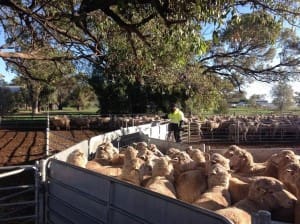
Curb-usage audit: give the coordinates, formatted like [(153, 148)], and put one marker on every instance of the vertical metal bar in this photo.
[(189, 131), (36, 192), (264, 217), (238, 133), (47, 133)]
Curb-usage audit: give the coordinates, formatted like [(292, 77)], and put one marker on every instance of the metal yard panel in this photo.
[(97, 140), (158, 131), (77, 195), (19, 194), (83, 146), (145, 129)]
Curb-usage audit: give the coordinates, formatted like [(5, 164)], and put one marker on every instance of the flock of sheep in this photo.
[(229, 128), (252, 128), (105, 123), (231, 183)]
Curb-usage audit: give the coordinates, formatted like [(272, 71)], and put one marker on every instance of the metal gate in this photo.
[(19, 194), (76, 195)]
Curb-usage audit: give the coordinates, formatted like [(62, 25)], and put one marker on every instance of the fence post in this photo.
[(189, 132), (238, 133), (261, 217), (47, 134)]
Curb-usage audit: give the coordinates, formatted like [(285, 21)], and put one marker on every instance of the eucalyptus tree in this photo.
[(283, 95), (163, 38), (297, 98), (82, 94), (8, 103), (254, 48), (40, 78)]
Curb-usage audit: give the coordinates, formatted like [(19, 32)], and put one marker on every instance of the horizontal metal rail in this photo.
[(19, 194)]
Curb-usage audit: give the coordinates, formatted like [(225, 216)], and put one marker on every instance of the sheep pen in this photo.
[(174, 173)]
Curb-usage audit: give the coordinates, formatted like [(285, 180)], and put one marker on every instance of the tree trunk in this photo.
[(60, 106), (35, 106)]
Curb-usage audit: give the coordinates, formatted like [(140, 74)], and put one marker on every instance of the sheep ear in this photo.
[(213, 171)]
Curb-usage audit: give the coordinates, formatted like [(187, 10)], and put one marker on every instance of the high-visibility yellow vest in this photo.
[(176, 116)]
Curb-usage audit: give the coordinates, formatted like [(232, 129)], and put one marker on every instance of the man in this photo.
[(176, 120)]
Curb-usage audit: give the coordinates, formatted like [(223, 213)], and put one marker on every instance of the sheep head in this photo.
[(197, 155), (231, 151), (218, 176), (105, 153), (283, 158), (163, 167), (77, 158), (217, 158), (269, 193), (141, 146), (130, 158), (240, 160), (171, 152)]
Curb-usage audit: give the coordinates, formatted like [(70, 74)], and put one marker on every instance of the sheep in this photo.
[(197, 155), (60, 122), (242, 163), (238, 189), (191, 184), (217, 196), (288, 176), (182, 162), (107, 154), (216, 158), (162, 178), (144, 153), (80, 122), (265, 193), (278, 161), (77, 158), (103, 169), (171, 152), (153, 148), (163, 167), (131, 170), (231, 150)]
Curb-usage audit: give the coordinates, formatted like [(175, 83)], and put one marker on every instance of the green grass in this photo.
[(71, 111), (26, 114)]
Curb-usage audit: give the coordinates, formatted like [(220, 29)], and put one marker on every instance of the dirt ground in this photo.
[(24, 147)]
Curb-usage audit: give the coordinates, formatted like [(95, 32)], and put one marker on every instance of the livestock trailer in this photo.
[(64, 193)]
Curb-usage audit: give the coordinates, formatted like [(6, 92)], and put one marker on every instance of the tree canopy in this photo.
[(161, 45), (283, 96)]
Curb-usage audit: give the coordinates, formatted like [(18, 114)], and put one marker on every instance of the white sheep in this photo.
[(197, 155), (191, 184), (265, 193), (104, 169), (162, 180), (217, 195), (77, 158), (242, 163), (131, 170)]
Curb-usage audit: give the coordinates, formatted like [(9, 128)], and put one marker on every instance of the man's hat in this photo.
[(173, 105)]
